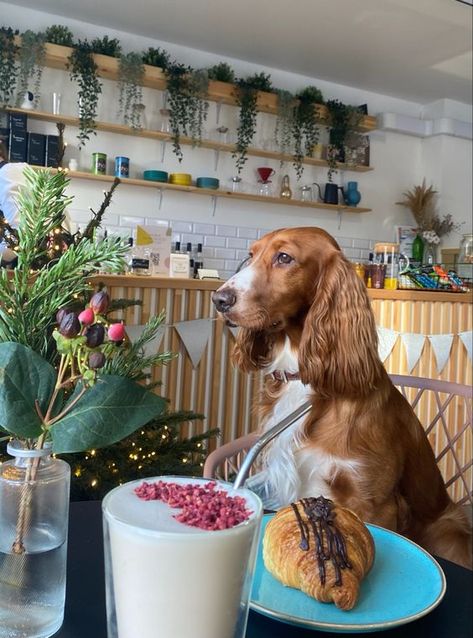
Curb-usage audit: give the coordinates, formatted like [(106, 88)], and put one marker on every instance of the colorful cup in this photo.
[(99, 163), (122, 166)]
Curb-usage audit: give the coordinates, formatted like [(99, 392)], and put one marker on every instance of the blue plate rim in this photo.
[(326, 626)]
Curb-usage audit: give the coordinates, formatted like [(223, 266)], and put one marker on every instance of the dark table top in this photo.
[(85, 597)]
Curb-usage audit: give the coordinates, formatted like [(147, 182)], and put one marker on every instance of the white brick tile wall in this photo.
[(215, 241), (225, 253), (226, 231), (204, 229), (249, 233), (233, 242)]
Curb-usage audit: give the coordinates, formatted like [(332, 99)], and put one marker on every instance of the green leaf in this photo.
[(24, 377), (109, 411)]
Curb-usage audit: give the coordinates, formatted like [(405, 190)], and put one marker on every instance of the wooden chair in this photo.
[(443, 407)]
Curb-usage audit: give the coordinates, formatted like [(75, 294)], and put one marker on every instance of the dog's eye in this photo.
[(244, 263), (284, 258)]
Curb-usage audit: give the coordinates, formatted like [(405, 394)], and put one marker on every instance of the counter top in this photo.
[(138, 281)]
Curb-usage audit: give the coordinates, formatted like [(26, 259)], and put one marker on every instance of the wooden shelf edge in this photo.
[(122, 129), (219, 193), (57, 57)]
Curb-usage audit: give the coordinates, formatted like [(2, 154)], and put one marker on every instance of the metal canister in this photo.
[(122, 166), (99, 163)]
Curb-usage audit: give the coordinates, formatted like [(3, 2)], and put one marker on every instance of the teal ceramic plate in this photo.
[(404, 584)]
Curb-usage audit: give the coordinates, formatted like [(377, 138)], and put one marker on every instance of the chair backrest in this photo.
[(225, 461), (445, 410)]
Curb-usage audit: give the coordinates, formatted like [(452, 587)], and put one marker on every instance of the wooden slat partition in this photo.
[(225, 396)]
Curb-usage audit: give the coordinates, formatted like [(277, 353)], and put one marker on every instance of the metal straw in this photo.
[(266, 438)]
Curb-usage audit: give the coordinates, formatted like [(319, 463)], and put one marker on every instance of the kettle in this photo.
[(330, 193)]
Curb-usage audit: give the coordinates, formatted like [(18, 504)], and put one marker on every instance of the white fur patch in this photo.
[(242, 281)]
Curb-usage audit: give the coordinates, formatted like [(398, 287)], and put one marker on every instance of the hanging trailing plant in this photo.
[(283, 131), (305, 130), (31, 63), (83, 70), (221, 72), (247, 101), (343, 120), (106, 46), (130, 79), (156, 57), (187, 92), (59, 34), (8, 68)]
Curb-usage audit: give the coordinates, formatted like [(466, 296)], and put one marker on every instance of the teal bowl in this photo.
[(155, 176), (207, 182)]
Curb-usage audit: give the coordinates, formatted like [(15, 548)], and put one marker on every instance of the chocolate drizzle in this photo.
[(328, 540)]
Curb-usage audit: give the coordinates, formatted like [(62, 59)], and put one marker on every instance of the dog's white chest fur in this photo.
[(295, 470)]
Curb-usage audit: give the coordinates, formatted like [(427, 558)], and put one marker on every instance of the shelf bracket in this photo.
[(218, 108), (165, 99), (160, 198), (339, 214), (216, 158), (163, 150), (214, 204)]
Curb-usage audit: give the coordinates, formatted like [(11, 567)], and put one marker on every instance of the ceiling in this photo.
[(420, 50)]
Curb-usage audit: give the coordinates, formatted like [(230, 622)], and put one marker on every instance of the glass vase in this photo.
[(34, 507), (429, 257)]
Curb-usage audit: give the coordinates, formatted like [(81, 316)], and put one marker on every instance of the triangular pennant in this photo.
[(386, 340), (441, 345), (414, 344), (234, 330), (467, 340), (194, 335), (152, 346)]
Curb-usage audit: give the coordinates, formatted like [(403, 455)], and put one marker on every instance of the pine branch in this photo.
[(96, 220)]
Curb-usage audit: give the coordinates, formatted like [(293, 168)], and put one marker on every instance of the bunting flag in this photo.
[(467, 340), (194, 335), (234, 330), (441, 345), (386, 340), (414, 344), (152, 346)]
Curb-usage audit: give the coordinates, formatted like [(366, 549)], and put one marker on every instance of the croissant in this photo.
[(320, 548)]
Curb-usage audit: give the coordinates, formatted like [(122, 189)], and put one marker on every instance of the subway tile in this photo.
[(181, 227), (231, 265), (344, 242), (263, 231), (248, 233), (225, 231), (80, 216), (233, 242), (218, 264), (215, 241), (241, 254), (352, 253), (151, 221), (194, 239), (131, 220), (225, 274), (208, 253), (361, 243), (224, 253), (204, 229)]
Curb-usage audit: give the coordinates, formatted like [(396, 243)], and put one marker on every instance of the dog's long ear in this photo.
[(252, 350), (338, 354)]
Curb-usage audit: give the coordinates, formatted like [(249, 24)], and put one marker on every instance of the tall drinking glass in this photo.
[(165, 579)]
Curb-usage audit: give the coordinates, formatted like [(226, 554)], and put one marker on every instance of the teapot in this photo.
[(330, 193)]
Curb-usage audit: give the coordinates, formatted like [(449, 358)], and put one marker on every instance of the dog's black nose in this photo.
[(224, 299)]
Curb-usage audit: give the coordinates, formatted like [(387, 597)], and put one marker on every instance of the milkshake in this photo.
[(168, 579)]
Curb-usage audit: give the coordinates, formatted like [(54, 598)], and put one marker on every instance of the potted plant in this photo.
[(305, 128), (106, 46), (343, 120), (187, 91), (59, 34), (221, 72), (130, 79), (156, 57), (8, 67), (30, 62), (283, 131), (83, 70), (247, 98)]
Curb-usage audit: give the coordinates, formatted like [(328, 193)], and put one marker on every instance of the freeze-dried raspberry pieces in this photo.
[(203, 506)]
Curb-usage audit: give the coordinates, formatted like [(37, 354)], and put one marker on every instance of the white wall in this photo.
[(400, 161)]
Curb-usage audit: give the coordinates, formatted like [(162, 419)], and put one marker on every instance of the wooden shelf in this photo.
[(122, 129), (220, 193), (57, 57)]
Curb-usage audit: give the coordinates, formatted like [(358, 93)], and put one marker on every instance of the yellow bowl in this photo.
[(183, 179)]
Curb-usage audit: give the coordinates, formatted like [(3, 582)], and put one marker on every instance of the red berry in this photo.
[(116, 332), (87, 317)]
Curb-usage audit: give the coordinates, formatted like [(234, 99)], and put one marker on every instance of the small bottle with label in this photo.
[(198, 261), (139, 262), (177, 248), (191, 258)]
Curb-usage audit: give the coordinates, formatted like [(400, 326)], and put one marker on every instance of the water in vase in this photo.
[(32, 587)]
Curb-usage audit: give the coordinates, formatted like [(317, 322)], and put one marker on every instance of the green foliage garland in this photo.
[(106, 46), (84, 71), (130, 79), (8, 52), (305, 129), (221, 72), (31, 61), (59, 34), (156, 57), (284, 121), (343, 121)]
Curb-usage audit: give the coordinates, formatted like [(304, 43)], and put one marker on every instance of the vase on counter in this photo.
[(34, 507), (417, 249), (429, 257), (352, 194)]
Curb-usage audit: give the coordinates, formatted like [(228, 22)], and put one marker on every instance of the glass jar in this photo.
[(465, 258), (388, 254), (34, 507)]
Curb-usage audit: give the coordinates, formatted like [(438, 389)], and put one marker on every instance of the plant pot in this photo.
[(34, 508)]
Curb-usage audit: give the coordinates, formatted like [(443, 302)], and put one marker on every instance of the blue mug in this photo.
[(122, 166)]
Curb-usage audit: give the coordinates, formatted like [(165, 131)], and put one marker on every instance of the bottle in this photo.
[(138, 259), (198, 261), (465, 258), (177, 247), (191, 258), (286, 191), (129, 254), (369, 270), (417, 250)]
